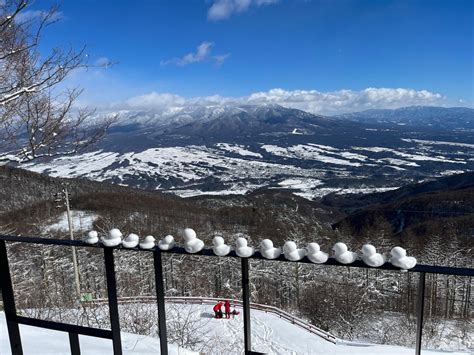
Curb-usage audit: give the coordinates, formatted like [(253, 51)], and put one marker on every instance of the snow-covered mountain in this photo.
[(459, 118), (209, 149)]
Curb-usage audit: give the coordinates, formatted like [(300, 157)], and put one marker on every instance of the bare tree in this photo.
[(37, 117)]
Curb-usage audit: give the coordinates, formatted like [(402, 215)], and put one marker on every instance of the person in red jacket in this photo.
[(227, 309), (218, 310)]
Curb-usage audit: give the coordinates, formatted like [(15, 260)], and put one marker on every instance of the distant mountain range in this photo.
[(222, 150), (430, 117), (241, 122)]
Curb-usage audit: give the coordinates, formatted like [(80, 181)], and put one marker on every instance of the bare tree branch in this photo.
[(35, 121)]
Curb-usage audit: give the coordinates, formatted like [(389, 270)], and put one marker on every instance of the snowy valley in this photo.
[(226, 150)]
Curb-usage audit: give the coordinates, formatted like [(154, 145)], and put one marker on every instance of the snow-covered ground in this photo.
[(228, 168), (37, 341), (273, 335), (81, 221), (270, 335), (238, 149)]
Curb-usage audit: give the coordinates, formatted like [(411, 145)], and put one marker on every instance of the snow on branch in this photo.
[(37, 118)]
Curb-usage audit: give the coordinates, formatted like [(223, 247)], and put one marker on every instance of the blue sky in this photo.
[(234, 48)]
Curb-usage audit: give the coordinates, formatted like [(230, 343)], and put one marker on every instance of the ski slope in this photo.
[(270, 335), (273, 335)]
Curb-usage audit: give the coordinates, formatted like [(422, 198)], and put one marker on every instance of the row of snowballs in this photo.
[(192, 244)]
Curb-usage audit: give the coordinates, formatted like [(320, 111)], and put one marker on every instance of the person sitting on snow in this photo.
[(218, 310), (227, 309), (235, 313)]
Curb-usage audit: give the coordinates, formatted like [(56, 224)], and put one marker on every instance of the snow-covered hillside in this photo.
[(270, 335)]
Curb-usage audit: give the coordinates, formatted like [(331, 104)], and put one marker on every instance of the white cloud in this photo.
[(103, 62), (223, 9), (341, 101), (220, 59), (328, 103), (202, 53), (155, 100)]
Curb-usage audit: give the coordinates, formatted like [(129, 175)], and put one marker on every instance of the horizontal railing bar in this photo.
[(446, 270), (64, 327)]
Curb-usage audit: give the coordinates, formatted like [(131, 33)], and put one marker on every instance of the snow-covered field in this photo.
[(270, 335), (37, 341), (224, 168)]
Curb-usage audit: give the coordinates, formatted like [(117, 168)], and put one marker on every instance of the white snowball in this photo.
[(168, 239), (398, 252), (368, 249), (313, 247), (115, 233), (266, 244), (339, 248), (189, 234), (289, 246), (241, 242), (217, 241)]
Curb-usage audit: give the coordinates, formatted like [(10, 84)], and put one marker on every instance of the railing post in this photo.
[(246, 304), (113, 306), (160, 299), (74, 344), (419, 312), (9, 302)]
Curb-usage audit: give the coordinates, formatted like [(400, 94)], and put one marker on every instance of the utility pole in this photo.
[(71, 235)]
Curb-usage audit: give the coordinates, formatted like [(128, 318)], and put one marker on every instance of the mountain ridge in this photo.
[(237, 149)]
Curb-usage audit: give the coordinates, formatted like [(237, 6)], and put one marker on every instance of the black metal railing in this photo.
[(13, 320)]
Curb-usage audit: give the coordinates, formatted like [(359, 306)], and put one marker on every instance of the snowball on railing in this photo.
[(315, 254), (241, 248), (91, 238), (400, 259), (292, 253), (148, 242), (192, 244), (131, 241), (219, 246), (343, 255), (113, 238), (268, 251), (371, 257), (167, 243)]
